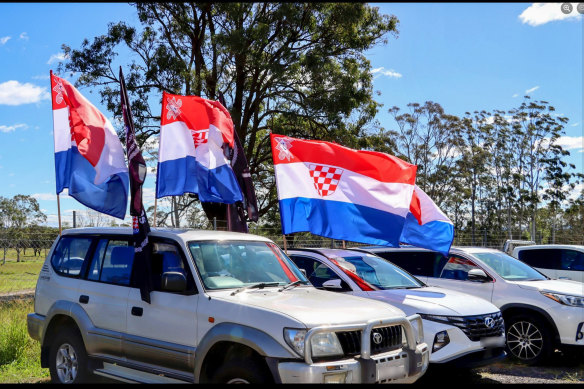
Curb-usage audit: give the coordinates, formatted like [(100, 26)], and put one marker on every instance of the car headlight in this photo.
[(322, 344), (325, 344), (572, 301)]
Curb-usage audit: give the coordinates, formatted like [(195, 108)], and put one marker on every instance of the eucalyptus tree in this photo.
[(298, 69)]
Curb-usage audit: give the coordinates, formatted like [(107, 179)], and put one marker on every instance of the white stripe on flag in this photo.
[(294, 180), (61, 130)]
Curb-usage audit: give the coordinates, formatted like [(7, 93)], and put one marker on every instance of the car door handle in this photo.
[(83, 299), (137, 311)]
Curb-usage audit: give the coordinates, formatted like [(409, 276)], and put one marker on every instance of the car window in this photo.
[(541, 258), (508, 267), (419, 263), (316, 272), (572, 260), (457, 268), (224, 265), (115, 262), (378, 272), (166, 257), (69, 255)]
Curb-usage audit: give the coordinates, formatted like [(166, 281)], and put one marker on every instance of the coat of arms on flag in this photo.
[(326, 178)]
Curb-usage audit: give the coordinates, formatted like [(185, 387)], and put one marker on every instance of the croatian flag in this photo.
[(193, 134), (340, 193), (89, 158), (426, 225)]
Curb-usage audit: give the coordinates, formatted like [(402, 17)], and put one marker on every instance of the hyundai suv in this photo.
[(462, 330), (540, 314), (225, 307)]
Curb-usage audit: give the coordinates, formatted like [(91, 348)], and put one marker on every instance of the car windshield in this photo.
[(224, 265), (509, 268), (377, 272)]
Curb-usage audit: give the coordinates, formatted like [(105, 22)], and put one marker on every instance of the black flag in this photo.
[(235, 214), (141, 228)]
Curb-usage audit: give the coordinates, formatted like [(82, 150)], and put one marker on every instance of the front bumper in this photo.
[(404, 365)]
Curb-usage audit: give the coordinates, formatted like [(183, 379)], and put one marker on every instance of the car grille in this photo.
[(475, 326), (391, 339)]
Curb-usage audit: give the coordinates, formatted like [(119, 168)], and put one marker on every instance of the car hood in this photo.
[(313, 307), (435, 301), (569, 287)]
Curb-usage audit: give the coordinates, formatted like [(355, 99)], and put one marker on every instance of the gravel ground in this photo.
[(561, 369)]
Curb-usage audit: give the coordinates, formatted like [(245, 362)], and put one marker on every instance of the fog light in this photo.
[(336, 378), (440, 340)]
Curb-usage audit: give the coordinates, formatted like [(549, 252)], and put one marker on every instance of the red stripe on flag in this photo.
[(285, 267), (379, 166), (415, 208), (364, 285)]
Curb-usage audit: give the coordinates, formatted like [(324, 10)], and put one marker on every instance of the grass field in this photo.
[(19, 353), (15, 276)]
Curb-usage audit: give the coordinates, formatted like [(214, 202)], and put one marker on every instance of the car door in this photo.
[(572, 265), (164, 331), (454, 275), (546, 261), (104, 292)]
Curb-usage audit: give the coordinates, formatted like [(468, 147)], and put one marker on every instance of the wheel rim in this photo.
[(524, 340), (238, 381), (66, 363)]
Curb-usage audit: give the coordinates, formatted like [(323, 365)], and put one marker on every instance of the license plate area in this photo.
[(391, 366)]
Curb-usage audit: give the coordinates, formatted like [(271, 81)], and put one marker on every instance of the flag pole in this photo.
[(155, 205), (285, 246), (59, 213)]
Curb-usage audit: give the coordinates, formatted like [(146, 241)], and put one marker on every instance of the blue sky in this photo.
[(464, 56)]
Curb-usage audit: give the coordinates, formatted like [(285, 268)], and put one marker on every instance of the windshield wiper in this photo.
[(260, 285), (295, 283)]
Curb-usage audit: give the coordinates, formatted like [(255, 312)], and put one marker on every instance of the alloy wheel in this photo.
[(67, 364), (524, 340)]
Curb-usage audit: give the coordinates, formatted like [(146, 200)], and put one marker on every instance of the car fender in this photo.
[(264, 344), (527, 307)]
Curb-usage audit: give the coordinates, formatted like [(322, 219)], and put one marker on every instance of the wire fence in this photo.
[(22, 252)]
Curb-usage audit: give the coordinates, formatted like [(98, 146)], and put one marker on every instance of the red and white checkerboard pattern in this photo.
[(326, 178), (200, 136)]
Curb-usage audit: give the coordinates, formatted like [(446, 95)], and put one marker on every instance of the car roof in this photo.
[(184, 234), (550, 246), (327, 252)]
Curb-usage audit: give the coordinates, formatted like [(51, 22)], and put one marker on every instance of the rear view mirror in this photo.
[(173, 281), (478, 275)]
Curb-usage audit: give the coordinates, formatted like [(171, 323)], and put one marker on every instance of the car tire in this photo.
[(240, 371), (68, 359), (529, 339)]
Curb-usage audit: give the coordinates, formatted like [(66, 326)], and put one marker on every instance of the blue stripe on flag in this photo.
[(340, 220), (75, 172), (435, 235), (186, 175)]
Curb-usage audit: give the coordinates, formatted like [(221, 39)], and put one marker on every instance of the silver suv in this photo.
[(226, 307)]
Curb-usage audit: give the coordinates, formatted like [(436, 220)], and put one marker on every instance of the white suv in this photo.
[(554, 260), (463, 331), (226, 307), (540, 314)]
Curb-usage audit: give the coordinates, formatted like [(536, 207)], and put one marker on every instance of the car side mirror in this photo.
[(478, 275), (336, 284), (173, 281)]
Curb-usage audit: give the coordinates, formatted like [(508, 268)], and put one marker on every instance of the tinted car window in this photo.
[(572, 260), (542, 258), (419, 263), (316, 272), (166, 257), (115, 262), (69, 255)]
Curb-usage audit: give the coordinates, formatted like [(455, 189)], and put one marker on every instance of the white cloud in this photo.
[(542, 13), (23, 36), (571, 142), (532, 90), (4, 39), (14, 93), (14, 127), (575, 124), (515, 95), (389, 73), (51, 196), (56, 58)]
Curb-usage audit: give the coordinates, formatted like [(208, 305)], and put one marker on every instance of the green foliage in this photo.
[(298, 69)]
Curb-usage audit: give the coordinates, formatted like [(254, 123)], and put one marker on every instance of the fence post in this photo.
[(215, 223)]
